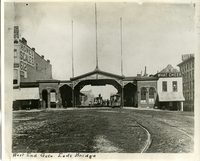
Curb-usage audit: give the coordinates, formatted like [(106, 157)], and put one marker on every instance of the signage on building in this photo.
[(169, 75), (26, 58), (16, 32)]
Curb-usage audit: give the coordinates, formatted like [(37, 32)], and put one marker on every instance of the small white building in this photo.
[(169, 88)]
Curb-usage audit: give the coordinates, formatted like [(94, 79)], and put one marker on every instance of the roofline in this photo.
[(48, 81), (28, 84), (65, 81), (146, 78), (186, 61), (97, 70), (46, 60)]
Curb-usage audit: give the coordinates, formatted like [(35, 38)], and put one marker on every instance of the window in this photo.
[(174, 83), (36, 66), (193, 95), (193, 84), (15, 76), (189, 85), (143, 94), (192, 73), (164, 86), (151, 95), (15, 53), (15, 81)]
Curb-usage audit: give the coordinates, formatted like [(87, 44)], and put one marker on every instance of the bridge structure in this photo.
[(70, 90)]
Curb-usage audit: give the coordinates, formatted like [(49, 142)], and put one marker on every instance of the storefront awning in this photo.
[(170, 96), (26, 94)]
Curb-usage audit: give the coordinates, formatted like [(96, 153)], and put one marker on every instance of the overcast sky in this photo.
[(154, 35)]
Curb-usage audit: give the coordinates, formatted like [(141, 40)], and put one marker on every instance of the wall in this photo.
[(42, 70), (49, 86), (187, 70), (169, 84), (147, 85)]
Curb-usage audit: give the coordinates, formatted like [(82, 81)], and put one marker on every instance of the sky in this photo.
[(153, 35)]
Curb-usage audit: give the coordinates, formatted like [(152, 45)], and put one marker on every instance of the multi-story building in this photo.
[(187, 70), (34, 87), (29, 67), (87, 98), (169, 89)]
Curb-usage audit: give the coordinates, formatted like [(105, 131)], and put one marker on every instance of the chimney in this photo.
[(24, 41), (33, 49), (48, 61), (145, 72), (42, 56)]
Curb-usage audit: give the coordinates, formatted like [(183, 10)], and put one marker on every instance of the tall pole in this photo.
[(72, 53), (73, 99), (121, 46), (122, 95), (96, 36)]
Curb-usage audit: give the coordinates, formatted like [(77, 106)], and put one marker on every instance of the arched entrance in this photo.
[(53, 98), (44, 99), (130, 94), (66, 95), (96, 78)]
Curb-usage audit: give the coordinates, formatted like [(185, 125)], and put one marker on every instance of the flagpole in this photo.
[(96, 36), (72, 54), (121, 46)]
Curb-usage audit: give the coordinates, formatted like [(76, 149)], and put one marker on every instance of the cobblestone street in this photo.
[(103, 130)]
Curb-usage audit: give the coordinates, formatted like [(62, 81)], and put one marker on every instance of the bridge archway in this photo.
[(130, 95), (96, 78), (66, 95)]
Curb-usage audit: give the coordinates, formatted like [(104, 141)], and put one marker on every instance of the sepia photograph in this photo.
[(100, 80)]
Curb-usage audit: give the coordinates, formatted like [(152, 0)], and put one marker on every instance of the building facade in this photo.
[(87, 98), (34, 86), (147, 92), (28, 68), (169, 89), (187, 71)]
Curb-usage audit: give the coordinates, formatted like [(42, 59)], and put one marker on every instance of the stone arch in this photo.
[(130, 95), (66, 95)]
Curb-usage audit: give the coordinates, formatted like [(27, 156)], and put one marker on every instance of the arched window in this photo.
[(143, 94), (53, 98), (151, 95)]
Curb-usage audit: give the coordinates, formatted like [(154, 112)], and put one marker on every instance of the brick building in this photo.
[(187, 70), (147, 92), (28, 68), (34, 86)]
